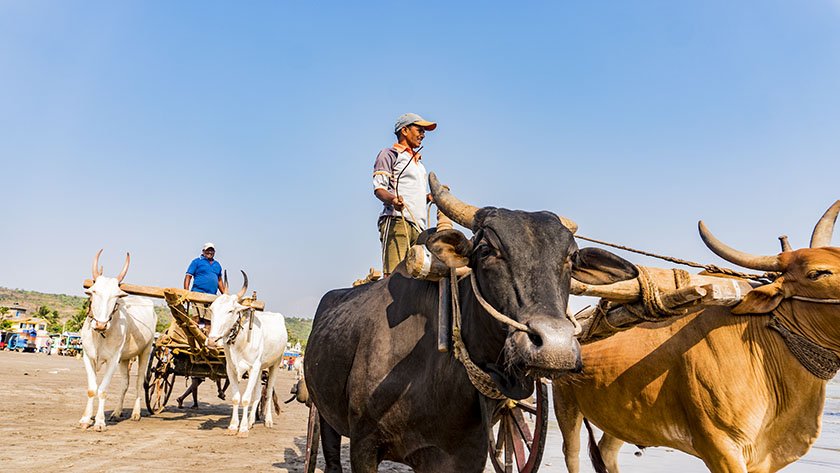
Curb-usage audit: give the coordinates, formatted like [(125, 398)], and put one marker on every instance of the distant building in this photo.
[(16, 311)]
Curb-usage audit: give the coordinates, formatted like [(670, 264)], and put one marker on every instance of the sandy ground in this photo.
[(42, 398)]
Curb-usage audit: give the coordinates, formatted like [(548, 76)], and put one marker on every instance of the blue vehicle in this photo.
[(18, 343)]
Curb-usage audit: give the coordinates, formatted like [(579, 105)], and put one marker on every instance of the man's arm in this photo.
[(389, 198), (222, 287), (187, 280)]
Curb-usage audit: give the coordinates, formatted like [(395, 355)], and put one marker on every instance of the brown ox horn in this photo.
[(124, 268), (451, 206), (825, 227), (783, 240), (226, 283), (241, 293), (762, 263), (97, 270)]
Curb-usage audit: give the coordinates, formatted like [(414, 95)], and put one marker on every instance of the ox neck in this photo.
[(810, 324), (483, 335)]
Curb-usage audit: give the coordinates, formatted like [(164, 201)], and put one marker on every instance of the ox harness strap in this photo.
[(820, 362), (237, 327), (478, 377)]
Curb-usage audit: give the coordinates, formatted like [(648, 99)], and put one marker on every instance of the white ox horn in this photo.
[(825, 227), (241, 294), (97, 270), (122, 274), (761, 263)]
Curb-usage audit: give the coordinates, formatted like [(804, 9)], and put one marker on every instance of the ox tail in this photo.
[(594, 452)]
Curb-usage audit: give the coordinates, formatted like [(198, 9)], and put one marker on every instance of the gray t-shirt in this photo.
[(397, 166)]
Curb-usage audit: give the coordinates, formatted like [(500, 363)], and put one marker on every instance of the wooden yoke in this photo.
[(182, 294)]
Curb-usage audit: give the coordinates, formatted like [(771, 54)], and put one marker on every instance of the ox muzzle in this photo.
[(549, 349)]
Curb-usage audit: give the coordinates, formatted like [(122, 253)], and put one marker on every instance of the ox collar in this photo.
[(820, 362)]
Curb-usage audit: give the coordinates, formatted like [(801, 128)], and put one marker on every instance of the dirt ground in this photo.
[(42, 398)]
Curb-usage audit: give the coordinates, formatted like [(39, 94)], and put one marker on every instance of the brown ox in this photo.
[(719, 384)]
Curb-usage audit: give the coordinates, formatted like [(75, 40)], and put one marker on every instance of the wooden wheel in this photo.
[(516, 431), (313, 440), (160, 379)]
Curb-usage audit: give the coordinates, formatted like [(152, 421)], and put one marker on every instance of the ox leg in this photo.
[(124, 373), (86, 420), (142, 364), (248, 397), (110, 368), (719, 458), (569, 419), (269, 397), (237, 396), (331, 445), (610, 446)]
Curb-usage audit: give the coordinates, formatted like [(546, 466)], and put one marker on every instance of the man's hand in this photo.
[(398, 203)]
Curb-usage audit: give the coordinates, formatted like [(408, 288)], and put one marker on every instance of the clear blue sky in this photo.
[(152, 127)]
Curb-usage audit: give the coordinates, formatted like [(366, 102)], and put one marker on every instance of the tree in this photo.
[(3, 311), (5, 325), (78, 319)]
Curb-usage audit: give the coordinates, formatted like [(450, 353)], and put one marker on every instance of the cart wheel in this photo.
[(313, 440), (516, 431), (160, 380)]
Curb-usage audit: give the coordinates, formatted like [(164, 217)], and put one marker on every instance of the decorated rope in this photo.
[(820, 362), (478, 377)]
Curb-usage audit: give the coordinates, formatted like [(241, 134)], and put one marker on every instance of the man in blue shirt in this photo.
[(205, 274)]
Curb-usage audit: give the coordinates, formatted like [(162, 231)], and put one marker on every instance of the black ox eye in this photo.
[(483, 250), (818, 273)]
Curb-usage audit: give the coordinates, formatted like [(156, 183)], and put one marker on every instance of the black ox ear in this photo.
[(451, 247), (597, 266)]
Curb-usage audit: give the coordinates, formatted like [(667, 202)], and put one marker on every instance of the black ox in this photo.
[(372, 365)]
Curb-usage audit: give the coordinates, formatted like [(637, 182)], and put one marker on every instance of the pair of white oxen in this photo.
[(120, 328)]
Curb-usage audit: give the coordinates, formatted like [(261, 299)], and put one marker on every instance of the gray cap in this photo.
[(413, 119)]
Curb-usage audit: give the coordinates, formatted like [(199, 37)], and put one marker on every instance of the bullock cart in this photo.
[(181, 350)]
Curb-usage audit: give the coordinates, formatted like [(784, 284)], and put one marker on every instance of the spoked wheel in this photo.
[(517, 430), (313, 440), (160, 379)]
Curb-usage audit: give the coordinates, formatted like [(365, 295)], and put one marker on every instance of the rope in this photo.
[(653, 309), (495, 313), (819, 361), (478, 377), (765, 277)]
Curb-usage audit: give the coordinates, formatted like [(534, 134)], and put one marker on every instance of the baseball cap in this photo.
[(413, 119), (208, 245)]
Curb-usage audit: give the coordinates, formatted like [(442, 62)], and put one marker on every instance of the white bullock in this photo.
[(117, 329), (253, 341)]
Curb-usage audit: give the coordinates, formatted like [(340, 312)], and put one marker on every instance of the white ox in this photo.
[(253, 341), (117, 329)]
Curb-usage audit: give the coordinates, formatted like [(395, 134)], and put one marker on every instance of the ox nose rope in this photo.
[(492, 311)]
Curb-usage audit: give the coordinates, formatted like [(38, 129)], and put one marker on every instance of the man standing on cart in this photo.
[(205, 274), (399, 181)]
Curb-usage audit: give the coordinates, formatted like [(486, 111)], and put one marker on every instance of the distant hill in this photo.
[(67, 306)]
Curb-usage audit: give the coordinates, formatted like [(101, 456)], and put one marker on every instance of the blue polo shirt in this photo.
[(205, 275)]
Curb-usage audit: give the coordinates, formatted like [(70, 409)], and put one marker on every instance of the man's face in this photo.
[(209, 253), (414, 135)]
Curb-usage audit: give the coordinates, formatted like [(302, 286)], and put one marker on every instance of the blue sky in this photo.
[(152, 127)]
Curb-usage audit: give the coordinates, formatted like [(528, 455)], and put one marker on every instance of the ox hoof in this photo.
[(269, 424), (100, 428), (242, 434), (115, 416), (84, 425), (231, 432), (135, 417)]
